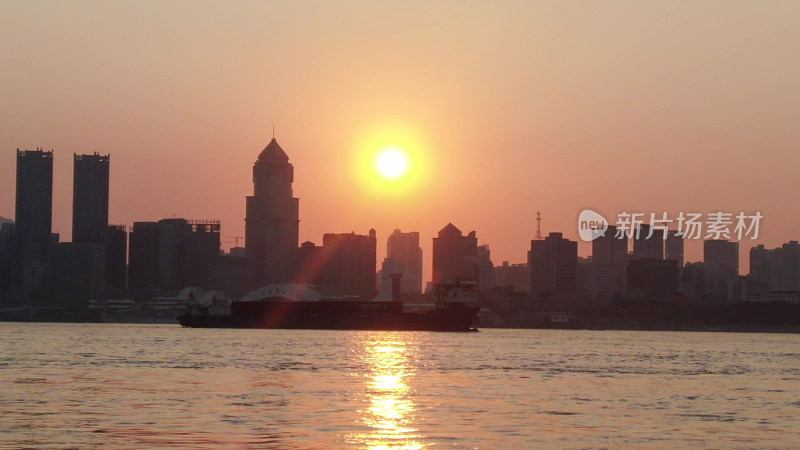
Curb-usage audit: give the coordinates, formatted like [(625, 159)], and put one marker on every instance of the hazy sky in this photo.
[(509, 107)]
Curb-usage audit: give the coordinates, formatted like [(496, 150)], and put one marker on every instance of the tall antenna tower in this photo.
[(538, 236)]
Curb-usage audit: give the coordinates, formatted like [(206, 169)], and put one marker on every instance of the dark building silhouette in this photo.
[(230, 274), (310, 262), (343, 265), (483, 268), (652, 247), (608, 274), (778, 268), (516, 275), (172, 254), (349, 263), (692, 280), (8, 267), (204, 251), (721, 260), (89, 227), (116, 252), (649, 277), (73, 276), (34, 207), (454, 255), (33, 240), (608, 250), (584, 277), (552, 262), (90, 199), (143, 257), (272, 223), (673, 247), (404, 248)]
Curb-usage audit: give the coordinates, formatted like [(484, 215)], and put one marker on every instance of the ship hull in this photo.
[(337, 315)]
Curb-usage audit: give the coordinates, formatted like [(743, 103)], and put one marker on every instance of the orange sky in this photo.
[(512, 106)]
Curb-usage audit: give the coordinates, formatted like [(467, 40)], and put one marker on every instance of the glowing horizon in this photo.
[(503, 110)]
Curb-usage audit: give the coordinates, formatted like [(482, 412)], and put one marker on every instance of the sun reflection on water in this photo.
[(391, 411)]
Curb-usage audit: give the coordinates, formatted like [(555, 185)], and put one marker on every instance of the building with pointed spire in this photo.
[(272, 220)]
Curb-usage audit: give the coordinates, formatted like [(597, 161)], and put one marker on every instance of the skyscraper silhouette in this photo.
[(34, 207), (404, 248), (90, 199), (552, 263), (721, 258), (272, 223), (609, 264), (673, 247), (349, 263), (652, 247), (454, 255)]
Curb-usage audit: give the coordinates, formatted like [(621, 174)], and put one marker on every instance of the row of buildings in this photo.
[(153, 258), (655, 268), (35, 267)]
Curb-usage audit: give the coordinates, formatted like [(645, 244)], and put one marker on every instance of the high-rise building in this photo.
[(143, 257), (90, 199), (721, 260), (272, 223), (552, 262), (778, 268), (204, 251), (74, 275), (34, 207), (516, 275), (343, 265), (404, 248), (646, 245), (608, 249), (349, 263), (453, 255), (484, 268), (8, 268), (172, 254), (388, 280), (309, 264), (648, 277), (673, 248), (608, 275), (116, 250)]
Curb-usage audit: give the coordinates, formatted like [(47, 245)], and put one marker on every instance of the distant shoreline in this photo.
[(618, 327)]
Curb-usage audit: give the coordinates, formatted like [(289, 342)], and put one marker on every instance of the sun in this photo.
[(391, 163)]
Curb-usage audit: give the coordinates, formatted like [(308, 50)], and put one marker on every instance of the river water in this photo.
[(146, 386)]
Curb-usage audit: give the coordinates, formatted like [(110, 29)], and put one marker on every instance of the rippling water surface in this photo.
[(78, 385)]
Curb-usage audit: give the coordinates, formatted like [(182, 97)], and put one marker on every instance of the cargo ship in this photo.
[(294, 306)]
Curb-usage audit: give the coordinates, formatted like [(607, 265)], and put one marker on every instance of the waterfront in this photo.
[(127, 385)]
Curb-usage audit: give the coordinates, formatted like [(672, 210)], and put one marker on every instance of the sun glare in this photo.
[(391, 163)]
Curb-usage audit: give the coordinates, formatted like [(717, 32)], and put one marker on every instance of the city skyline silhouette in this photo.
[(544, 106)]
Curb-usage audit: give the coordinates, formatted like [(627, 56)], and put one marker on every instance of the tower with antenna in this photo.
[(538, 236)]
